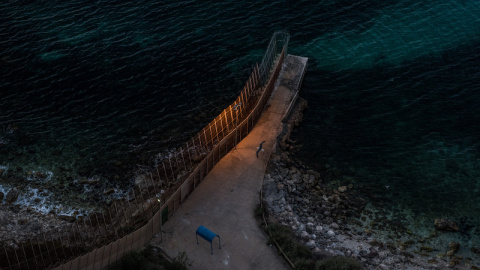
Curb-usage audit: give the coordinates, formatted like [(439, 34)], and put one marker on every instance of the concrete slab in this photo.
[(225, 201)]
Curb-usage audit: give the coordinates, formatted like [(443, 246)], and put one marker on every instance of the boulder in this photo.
[(12, 195), (334, 225), (311, 244), (304, 235), (280, 186), (89, 181), (69, 218), (109, 191), (454, 246), (446, 225)]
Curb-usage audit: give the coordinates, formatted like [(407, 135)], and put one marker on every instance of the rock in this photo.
[(109, 191), (383, 255), (310, 227), (372, 254), (318, 229), (454, 246), (330, 233), (89, 181), (342, 189), (383, 267), (304, 235), (280, 186), (68, 218), (12, 195), (39, 175), (334, 225), (446, 225), (311, 244)]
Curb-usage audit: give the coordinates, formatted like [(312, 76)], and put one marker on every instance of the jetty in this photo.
[(226, 199), (207, 187)]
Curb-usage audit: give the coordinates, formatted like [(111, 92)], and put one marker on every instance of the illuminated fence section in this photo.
[(101, 238)]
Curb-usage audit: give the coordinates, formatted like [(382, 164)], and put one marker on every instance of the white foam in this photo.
[(44, 203), (5, 169)]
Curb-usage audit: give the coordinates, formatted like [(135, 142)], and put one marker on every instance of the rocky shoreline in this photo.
[(328, 218)]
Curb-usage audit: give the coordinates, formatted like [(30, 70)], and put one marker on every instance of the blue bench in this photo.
[(207, 235)]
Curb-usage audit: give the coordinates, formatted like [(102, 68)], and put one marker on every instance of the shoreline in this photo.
[(328, 219)]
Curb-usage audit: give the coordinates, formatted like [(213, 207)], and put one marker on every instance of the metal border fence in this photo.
[(101, 238)]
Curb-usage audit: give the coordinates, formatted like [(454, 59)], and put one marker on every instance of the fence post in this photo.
[(194, 149), (165, 170), (81, 234), (200, 141), (8, 257), (171, 168), (59, 235), (41, 253), (18, 260), (211, 133), (216, 130), (46, 247), (33, 251), (176, 159), (205, 136), (183, 158), (104, 224), (158, 173), (68, 233), (25, 254), (188, 152)]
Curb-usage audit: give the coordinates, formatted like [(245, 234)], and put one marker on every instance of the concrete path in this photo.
[(226, 199)]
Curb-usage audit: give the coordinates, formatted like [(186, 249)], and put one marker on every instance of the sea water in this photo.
[(97, 90)]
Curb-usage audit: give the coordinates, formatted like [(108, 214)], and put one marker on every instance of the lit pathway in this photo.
[(225, 200)]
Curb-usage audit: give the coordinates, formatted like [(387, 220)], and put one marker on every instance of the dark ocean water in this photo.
[(97, 89)]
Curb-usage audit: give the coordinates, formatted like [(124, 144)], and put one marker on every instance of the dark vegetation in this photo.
[(150, 259)]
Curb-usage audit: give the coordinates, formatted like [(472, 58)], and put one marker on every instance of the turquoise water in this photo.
[(98, 89)]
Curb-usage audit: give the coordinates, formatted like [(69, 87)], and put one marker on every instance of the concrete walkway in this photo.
[(226, 199)]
